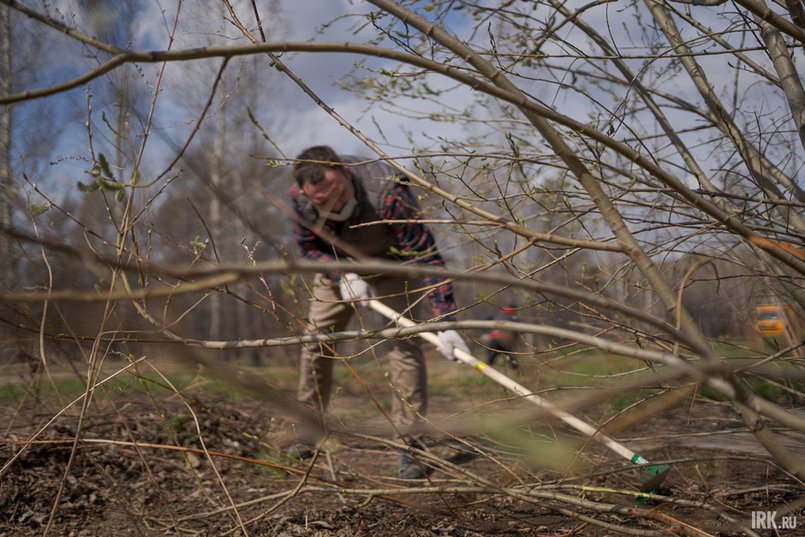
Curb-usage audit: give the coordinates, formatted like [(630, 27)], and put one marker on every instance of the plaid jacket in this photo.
[(382, 194)]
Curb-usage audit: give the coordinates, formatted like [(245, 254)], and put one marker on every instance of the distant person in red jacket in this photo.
[(501, 341)]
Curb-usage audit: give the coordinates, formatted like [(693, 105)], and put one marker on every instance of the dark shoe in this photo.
[(301, 450), (411, 468), (514, 364), (460, 452)]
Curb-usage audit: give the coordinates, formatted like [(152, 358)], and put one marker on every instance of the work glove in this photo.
[(354, 288), (450, 340)]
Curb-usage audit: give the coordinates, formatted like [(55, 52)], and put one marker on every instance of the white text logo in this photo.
[(768, 520)]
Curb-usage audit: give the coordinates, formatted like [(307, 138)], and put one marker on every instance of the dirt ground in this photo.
[(141, 469)]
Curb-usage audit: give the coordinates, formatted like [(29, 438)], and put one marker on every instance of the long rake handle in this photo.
[(508, 383)]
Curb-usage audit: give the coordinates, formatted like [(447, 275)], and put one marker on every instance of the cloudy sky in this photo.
[(291, 118), (204, 22), (306, 19)]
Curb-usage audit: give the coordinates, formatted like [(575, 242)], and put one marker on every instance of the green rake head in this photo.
[(653, 477), (651, 482)]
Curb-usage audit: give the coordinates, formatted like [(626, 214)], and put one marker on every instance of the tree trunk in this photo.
[(6, 186), (215, 222)]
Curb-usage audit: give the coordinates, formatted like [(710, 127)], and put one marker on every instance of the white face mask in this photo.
[(345, 212)]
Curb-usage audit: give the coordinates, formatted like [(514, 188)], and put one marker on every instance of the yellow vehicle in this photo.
[(771, 319)]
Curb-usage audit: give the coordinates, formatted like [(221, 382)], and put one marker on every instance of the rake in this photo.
[(653, 475)]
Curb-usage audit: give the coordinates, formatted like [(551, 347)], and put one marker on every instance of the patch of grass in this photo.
[(125, 383), (390, 471), (268, 470), (761, 387), (458, 381), (68, 387), (728, 349), (708, 393), (621, 402), (589, 369), (278, 375), (12, 392), (770, 391), (175, 423)]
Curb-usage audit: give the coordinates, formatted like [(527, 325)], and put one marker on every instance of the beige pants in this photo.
[(405, 358)]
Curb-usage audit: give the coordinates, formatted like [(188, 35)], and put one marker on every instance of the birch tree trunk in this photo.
[(215, 222)]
